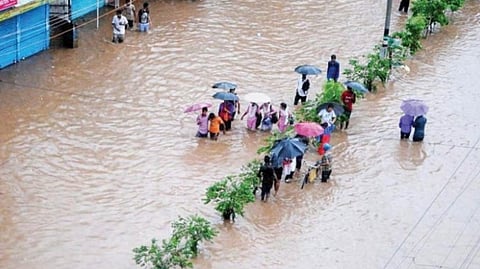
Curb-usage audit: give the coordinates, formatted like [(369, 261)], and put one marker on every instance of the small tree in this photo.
[(191, 231), (230, 195), (432, 10), (167, 256), (249, 173), (372, 69), (182, 246), (413, 33)]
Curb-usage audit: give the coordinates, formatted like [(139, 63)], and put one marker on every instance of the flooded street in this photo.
[(97, 156)]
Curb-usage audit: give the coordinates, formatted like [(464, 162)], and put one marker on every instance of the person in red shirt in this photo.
[(348, 99)]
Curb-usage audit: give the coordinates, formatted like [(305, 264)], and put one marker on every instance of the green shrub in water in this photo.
[(182, 246), (230, 196)]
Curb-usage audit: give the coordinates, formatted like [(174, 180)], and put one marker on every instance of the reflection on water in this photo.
[(97, 156)]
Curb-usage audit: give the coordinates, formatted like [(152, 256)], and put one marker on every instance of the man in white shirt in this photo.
[(118, 23), (327, 116), (303, 85)]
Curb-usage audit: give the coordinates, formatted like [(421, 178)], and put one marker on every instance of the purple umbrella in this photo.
[(414, 107), (196, 107)]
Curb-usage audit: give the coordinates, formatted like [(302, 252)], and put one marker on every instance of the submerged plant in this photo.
[(167, 256), (230, 196), (191, 231), (372, 68), (177, 251)]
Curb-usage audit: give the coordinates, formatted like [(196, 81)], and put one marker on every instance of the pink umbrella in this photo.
[(196, 107), (308, 129)]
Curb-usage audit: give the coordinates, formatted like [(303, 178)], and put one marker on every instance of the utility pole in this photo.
[(386, 30), (384, 52)]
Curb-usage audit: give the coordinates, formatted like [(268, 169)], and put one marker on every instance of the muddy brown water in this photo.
[(96, 156)]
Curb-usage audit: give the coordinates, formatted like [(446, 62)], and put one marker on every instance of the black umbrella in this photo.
[(337, 107)]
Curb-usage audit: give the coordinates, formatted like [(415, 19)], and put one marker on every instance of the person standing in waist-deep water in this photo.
[(419, 125), (404, 5), (303, 85), (333, 68), (130, 14), (118, 24), (144, 21), (202, 122), (283, 117), (214, 128), (236, 104), (225, 111), (252, 112), (326, 163), (268, 176), (348, 99), (405, 125)]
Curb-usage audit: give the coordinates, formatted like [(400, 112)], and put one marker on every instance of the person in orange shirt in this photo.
[(214, 128)]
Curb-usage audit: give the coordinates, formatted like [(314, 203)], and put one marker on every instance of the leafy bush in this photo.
[(178, 251), (249, 173), (432, 10), (230, 195), (373, 68), (454, 5), (413, 33), (191, 231)]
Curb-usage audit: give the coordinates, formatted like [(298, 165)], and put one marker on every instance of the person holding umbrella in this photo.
[(327, 116), (202, 122), (348, 99), (303, 85), (225, 111), (268, 176), (252, 112), (405, 125)]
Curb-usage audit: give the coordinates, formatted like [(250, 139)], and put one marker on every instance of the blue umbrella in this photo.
[(356, 86), (414, 107), (308, 70), (287, 148), (224, 85), (226, 96)]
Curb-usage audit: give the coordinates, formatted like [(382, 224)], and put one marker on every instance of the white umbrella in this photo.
[(257, 97)]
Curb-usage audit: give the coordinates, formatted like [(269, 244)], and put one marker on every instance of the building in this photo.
[(26, 26), (24, 29)]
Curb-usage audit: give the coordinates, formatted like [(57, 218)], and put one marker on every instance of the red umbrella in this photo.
[(196, 107), (308, 129)]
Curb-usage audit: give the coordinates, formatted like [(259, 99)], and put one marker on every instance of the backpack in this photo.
[(306, 85), (144, 17)]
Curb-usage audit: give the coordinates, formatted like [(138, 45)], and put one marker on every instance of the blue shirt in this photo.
[(333, 70)]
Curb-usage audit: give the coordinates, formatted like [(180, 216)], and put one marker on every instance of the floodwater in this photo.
[(96, 156)]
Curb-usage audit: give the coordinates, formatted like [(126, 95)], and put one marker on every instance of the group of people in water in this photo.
[(263, 117), (418, 123)]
